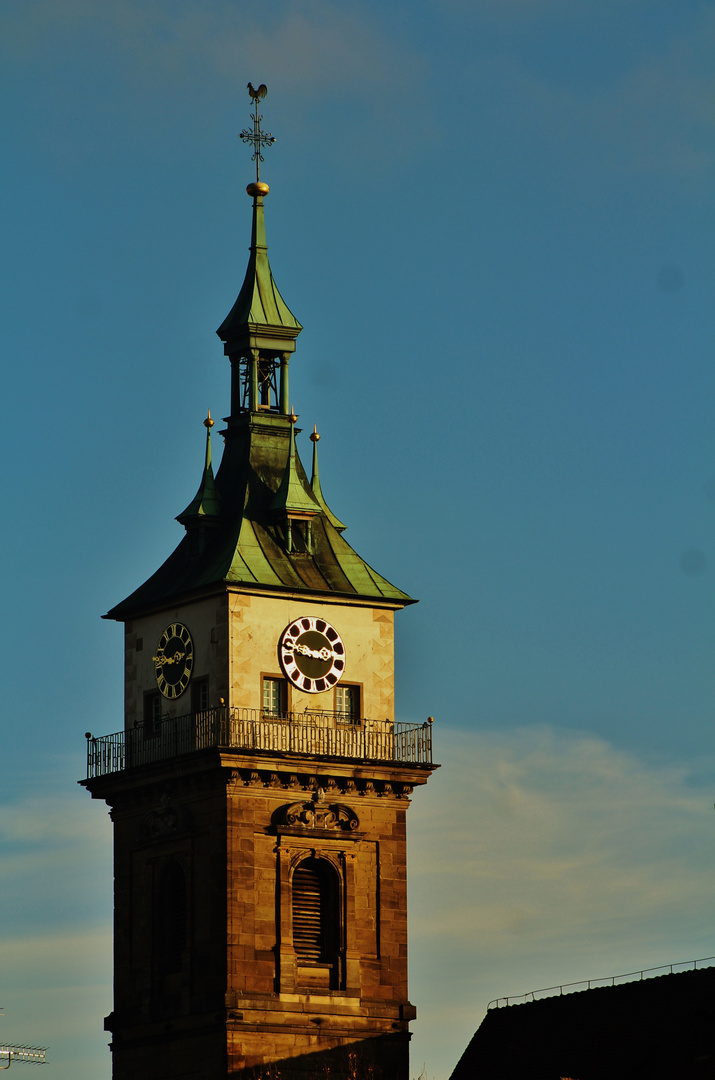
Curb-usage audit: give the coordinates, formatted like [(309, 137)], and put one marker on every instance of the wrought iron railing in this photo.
[(310, 733), (592, 984)]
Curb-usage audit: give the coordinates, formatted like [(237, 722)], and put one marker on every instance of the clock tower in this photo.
[(260, 783)]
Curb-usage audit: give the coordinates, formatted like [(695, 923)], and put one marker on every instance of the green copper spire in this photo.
[(260, 524), (260, 317), (315, 486), (260, 330), (206, 503)]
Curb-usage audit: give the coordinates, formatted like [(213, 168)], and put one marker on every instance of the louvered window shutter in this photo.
[(309, 912)]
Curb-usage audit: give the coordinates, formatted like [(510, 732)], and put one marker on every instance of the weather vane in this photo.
[(257, 137)]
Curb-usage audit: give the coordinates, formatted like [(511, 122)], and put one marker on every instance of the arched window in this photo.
[(316, 915), (170, 918)]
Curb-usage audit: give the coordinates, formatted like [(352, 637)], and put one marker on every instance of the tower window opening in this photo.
[(152, 714), (299, 537), (244, 382), (267, 385), (275, 694), (347, 703), (200, 695), (196, 542), (316, 924), (265, 371)]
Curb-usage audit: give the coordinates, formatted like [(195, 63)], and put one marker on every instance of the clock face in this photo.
[(312, 654), (174, 660)]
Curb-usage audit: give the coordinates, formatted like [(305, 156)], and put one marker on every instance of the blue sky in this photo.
[(495, 221)]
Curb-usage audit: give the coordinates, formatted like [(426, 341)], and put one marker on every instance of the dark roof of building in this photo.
[(655, 1029)]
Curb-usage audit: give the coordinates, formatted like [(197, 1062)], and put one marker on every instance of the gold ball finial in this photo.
[(314, 437), (292, 416), (257, 188), (208, 422)]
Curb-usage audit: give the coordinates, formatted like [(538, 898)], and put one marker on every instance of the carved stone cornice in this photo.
[(331, 783)]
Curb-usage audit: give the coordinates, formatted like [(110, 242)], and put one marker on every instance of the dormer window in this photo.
[(196, 542), (299, 536)]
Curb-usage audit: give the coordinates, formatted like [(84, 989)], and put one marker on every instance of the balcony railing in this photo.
[(611, 980), (314, 734)]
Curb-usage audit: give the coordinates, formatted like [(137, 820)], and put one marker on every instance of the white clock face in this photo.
[(312, 654)]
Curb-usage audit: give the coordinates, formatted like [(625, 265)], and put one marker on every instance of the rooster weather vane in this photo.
[(259, 138)]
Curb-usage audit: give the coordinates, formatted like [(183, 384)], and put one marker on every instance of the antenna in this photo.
[(33, 1054)]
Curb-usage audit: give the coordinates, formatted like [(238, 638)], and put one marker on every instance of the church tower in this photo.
[(260, 784)]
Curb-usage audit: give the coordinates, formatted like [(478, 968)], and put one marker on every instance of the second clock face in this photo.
[(174, 660), (312, 654)]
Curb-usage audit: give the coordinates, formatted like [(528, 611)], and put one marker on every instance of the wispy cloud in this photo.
[(55, 926), (55, 861), (56, 989), (571, 833), (661, 117), (313, 48), (523, 14), (540, 857), (652, 114)]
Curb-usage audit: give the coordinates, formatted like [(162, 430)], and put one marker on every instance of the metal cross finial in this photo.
[(257, 137)]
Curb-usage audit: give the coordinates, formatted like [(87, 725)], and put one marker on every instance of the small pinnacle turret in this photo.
[(206, 503), (315, 485), (292, 497)]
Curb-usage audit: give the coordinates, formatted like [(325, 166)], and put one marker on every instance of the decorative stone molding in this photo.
[(165, 820), (320, 814), (311, 783)]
